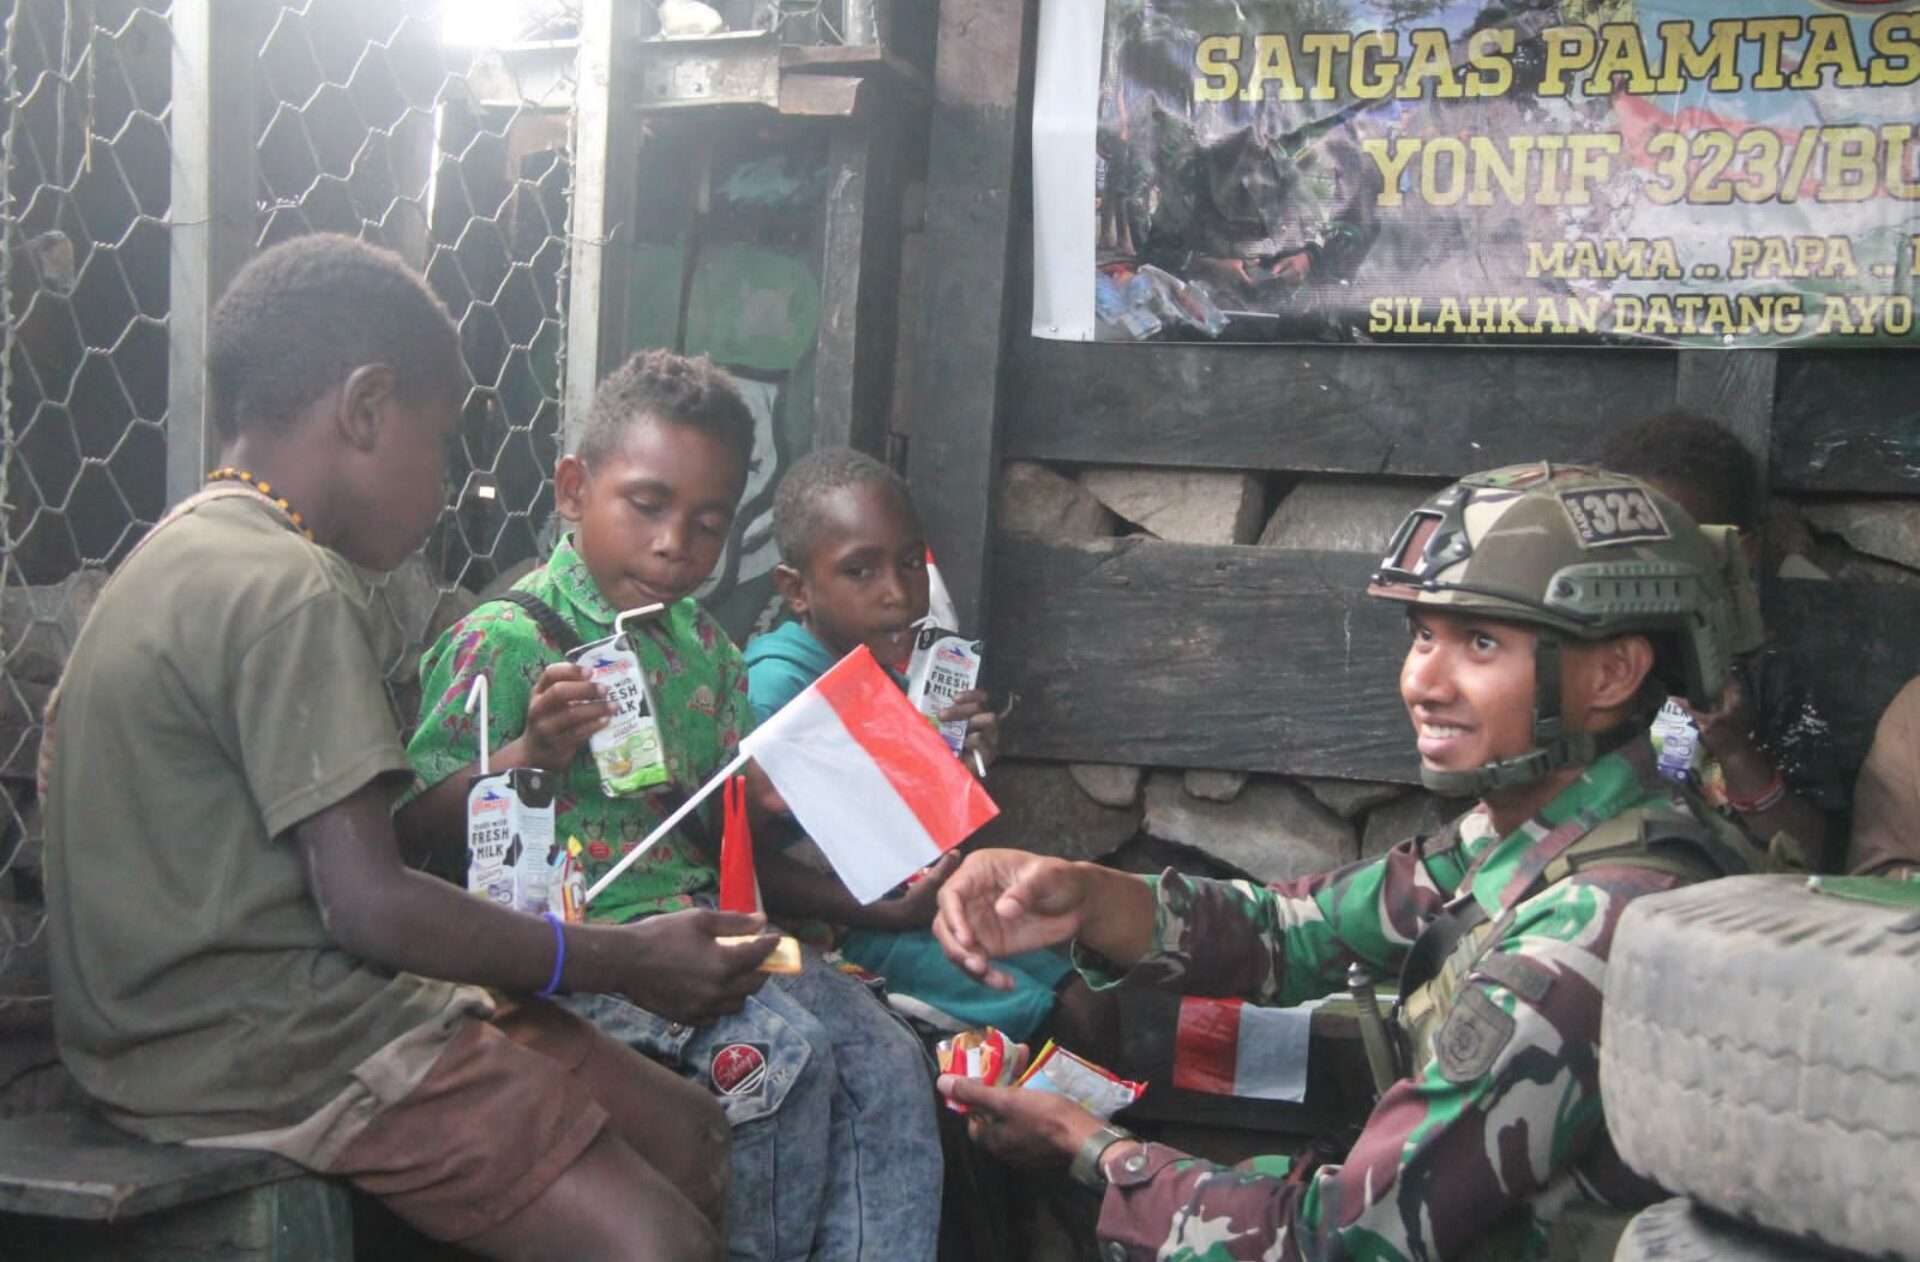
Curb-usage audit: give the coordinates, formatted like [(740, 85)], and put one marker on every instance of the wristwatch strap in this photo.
[(1085, 1169)]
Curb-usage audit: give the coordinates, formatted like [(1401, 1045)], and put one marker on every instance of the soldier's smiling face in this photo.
[(1468, 686)]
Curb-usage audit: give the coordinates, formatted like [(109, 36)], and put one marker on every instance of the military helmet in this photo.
[(1576, 553)]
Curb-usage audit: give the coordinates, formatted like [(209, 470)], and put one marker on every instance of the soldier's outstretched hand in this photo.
[(1003, 902), (1022, 1128)]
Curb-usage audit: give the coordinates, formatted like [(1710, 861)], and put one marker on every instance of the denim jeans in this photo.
[(836, 1151)]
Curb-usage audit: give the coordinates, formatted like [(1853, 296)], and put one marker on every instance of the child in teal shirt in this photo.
[(853, 571)]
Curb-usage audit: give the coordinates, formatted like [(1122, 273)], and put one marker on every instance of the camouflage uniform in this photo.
[(1497, 1127), (1500, 1125)]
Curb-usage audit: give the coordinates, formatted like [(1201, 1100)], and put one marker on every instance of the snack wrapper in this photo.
[(1100, 1092), (627, 750), (567, 884), (510, 838), (986, 1056), (944, 665)]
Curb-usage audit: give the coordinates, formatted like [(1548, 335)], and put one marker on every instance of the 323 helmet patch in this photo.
[(1603, 515), (738, 1069)]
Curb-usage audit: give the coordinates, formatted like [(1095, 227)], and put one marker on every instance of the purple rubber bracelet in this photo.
[(559, 957)]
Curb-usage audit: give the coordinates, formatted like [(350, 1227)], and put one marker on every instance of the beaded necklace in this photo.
[(231, 474)]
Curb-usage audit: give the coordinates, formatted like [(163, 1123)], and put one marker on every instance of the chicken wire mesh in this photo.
[(372, 123), (83, 378), (383, 119)]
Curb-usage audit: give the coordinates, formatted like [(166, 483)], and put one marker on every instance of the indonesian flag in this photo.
[(868, 777), (1226, 1047)]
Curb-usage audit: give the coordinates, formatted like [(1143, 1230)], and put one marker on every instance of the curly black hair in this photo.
[(796, 505), (663, 386), (1685, 449), (300, 317)]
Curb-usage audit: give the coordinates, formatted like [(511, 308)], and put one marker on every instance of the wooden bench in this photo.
[(75, 1189)]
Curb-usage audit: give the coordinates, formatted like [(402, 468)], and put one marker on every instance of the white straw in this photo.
[(666, 826), (644, 611), (479, 693)]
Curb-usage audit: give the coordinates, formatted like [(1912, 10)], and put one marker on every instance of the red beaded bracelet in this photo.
[(1765, 800)]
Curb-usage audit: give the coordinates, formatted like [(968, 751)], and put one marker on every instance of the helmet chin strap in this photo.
[(1554, 747)]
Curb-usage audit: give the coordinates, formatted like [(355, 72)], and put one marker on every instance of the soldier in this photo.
[(1551, 609)]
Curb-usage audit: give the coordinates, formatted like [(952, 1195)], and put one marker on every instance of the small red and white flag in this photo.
[(739, 888), (869, 779), (1226, 1047), (940, 610)]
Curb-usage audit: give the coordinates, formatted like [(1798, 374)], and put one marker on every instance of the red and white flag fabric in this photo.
[(940, 610), (1226, 1047), (869, 779), (739, 887)]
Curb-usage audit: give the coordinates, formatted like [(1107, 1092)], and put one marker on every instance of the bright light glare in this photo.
[(484, 23)]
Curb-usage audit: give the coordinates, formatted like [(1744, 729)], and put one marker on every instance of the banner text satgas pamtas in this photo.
[(1588, 171)]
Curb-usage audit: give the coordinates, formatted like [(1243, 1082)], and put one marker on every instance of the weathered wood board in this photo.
[(1853, 645), (73, 1165), (980, 79), (1848, 421), (1374, 410), (1137, 651)]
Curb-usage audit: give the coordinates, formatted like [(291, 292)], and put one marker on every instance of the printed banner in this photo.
[(1628, 172)]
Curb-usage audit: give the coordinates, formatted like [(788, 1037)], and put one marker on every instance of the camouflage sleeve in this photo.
[(1284, 944), (1505, 1107)]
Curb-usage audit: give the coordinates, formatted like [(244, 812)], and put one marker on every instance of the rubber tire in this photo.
[(1760, 1052), (1677, 1231)]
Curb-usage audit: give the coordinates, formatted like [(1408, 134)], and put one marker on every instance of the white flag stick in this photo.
[(667, 825), (479, 693)]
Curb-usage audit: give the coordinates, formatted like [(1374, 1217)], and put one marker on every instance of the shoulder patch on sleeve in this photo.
[(1472, 1038), (1529, 981)]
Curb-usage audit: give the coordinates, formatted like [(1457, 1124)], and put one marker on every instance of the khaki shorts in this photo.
[(498, 1118), (460, 1124)]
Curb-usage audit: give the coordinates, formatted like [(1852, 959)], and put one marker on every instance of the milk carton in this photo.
[(944, 665), (510, 838), (627, 750)]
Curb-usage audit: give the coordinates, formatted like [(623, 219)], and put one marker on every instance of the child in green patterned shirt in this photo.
[(828, 1096)]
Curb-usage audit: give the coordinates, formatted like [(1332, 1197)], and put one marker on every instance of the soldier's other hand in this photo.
[(1005, 902), (1023, 1128)]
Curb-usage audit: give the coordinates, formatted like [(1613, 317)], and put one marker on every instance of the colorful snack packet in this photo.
[(567, 883), (944, 665), (1100, 1092), (627, 750), (984, 1055)]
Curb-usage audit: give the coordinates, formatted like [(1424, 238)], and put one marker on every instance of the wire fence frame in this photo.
[(152, 146), (353, 116)]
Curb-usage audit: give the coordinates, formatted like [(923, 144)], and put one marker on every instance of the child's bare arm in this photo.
[(791, 888), (564, 710), (381, 911)]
